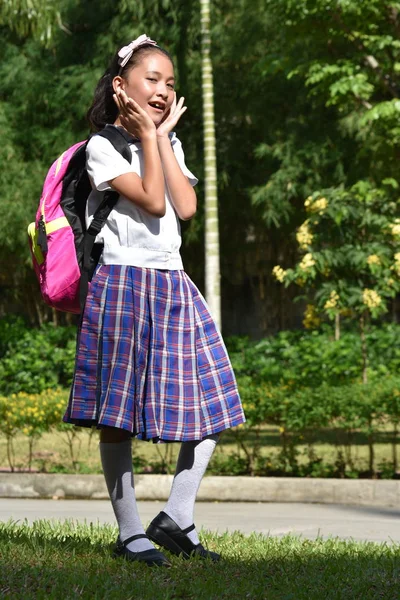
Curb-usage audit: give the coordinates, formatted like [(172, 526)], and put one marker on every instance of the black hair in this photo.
[(103, 109)]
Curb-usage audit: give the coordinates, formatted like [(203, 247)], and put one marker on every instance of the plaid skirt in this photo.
[(150, 359)]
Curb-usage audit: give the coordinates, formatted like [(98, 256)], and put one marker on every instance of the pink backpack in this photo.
[(63, 251)]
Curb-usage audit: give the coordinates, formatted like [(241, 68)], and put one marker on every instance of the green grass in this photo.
[(51, 451), (67, 560)]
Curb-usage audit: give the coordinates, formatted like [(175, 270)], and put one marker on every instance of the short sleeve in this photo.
[(180, 157), (104, 163)]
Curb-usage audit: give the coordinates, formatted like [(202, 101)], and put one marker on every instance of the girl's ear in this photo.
[(118, 82)]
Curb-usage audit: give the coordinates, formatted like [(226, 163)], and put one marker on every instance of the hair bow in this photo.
[(126, 52)]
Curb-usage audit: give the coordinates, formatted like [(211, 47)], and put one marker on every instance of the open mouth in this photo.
[(157, 106)]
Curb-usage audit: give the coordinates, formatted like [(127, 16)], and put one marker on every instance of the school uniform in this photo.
[(150, 359)]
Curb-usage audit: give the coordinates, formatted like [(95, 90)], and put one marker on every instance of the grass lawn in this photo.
[(51, 451), (67, 560)]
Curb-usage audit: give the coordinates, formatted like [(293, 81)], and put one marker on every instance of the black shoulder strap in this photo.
[(120, 139)]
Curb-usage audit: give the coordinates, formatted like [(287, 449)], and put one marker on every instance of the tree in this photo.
[(298, 108), (212, 269), (36, 18), (350, 254)]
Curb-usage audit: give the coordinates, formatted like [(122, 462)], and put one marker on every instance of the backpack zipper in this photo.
[(42, 236)]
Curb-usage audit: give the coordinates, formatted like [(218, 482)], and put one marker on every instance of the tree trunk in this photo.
[(212, 267), (337, 327), (364, 350), (394, 448), (55, 317)]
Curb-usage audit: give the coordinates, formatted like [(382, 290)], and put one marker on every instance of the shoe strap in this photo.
[(134, 537), (189, 529)]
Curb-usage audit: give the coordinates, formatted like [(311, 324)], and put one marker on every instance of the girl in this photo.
[(150, 361)]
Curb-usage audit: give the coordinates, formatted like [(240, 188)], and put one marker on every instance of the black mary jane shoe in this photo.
[(152, 557), (166, 533)]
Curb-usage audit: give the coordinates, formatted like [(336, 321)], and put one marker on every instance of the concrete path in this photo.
[(308, 520)]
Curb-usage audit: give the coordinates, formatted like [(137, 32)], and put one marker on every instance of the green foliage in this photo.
[(11, 330), (342, 60), (32, 360), (32, 414), (298, 359), (38, 359), (301, 415), (354, 406), (30, 17), (350, 244), (313, 108)]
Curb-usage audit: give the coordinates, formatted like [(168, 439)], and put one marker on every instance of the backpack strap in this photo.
[(120, 139)]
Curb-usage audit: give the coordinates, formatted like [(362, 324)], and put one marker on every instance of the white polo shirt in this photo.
[(132, 236)]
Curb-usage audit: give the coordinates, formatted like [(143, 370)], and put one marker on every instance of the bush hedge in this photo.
[(299, 381), (32, 360), (371, 409), (313, 358)]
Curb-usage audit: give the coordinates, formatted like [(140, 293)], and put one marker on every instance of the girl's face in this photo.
[(151, 85)]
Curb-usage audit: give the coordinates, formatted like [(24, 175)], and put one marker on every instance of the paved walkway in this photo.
[(307, 520)]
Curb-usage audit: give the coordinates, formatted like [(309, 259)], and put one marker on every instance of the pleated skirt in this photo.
[(150, 359)]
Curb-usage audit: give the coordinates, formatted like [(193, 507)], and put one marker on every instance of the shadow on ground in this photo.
[(45, 561)]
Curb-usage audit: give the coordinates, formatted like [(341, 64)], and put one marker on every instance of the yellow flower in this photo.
[(304, 236), (279, 273), (308, 202), (373, 259), (395, 227), (371, 298), (307, 262), (311, 320), (318, 206), (396, 266), (333, 300)]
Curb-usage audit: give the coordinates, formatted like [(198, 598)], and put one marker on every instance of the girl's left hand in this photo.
[(172, 117)]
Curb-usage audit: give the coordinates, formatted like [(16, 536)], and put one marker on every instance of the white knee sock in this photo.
[(192, 464), (116, 459)]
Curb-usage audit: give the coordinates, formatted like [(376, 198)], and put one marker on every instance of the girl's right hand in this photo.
[(133, 117)]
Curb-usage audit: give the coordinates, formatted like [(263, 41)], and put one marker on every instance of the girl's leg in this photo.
[(192, 463), (116, 459)]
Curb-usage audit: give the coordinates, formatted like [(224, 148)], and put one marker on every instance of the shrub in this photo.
[(31, 415), (11, 330), (310, 359), (39, 359)]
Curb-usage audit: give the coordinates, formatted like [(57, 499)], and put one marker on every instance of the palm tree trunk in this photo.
[(212, 268)]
